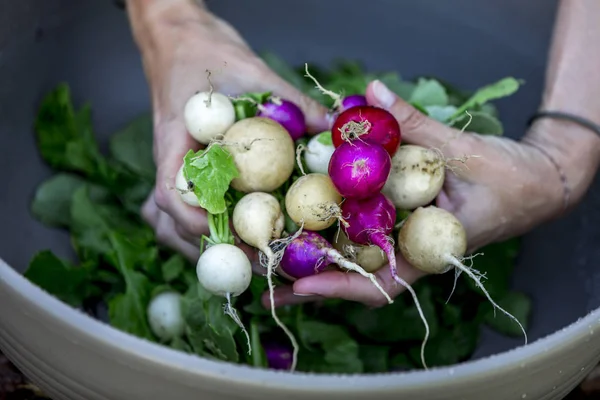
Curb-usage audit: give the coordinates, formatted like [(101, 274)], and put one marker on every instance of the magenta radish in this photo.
[(278, 356), (340, 103), (287, 113), (359, 169), (310, 253), (434, 241), (367, 124), (370, 221)]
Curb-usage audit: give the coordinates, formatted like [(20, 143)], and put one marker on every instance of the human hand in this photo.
[(179, 42), (506, 190)]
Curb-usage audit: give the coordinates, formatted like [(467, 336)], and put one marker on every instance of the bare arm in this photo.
[(573, 86)]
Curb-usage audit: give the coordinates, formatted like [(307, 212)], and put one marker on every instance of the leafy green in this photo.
[(246, 105), (481, 122), (210, 171), (517, 304), (429, 92), (502, 88), (132, 146), (325, 138)]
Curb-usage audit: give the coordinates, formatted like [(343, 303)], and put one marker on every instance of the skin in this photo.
[(552, 166), (178, 41)]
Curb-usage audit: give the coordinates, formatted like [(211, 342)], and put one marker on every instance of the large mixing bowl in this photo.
[(467, 42)]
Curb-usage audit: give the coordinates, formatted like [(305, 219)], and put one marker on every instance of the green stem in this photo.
[(218, 226)]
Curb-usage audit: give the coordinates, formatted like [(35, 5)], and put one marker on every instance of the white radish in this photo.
[(370, 258), (416, 178), (434, 241), (207, 115), (313, 200), (225, 270), (318, 152), (258, 220), (263, 152), (186, 188), (164, 316)]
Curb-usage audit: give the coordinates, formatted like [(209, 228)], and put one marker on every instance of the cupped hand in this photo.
[(179, 44), (506, 190)]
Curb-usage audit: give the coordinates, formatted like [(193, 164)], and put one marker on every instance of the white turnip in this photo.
[(207, 115)]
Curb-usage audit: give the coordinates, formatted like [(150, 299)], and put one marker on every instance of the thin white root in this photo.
[(456, 263), (337, 99), (420, 310), (344, 263), (211, 89), (457, 273), (230, 311), (277, 248), (299, 151), (271, 256)]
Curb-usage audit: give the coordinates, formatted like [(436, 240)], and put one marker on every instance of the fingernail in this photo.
[(303, 294), (385, 97)]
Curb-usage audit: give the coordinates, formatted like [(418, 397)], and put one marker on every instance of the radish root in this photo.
[(232, 312), (337, 98)]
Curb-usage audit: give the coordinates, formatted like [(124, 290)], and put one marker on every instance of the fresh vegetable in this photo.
[(207, 115), (263, 152), (119, 265), (318, 152), (310, 253), (258, 219), (371, 258), (287, 113), (278, 356), (340, 103), (367, 124), (434, 241), (224, 270), (370, 221), (359, 169), (416, 177), (354, 100), (185, 188), (164, 316), (313, 202)]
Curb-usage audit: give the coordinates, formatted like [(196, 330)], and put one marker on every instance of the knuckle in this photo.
[(412, 119), (163, 235), (162, 198)]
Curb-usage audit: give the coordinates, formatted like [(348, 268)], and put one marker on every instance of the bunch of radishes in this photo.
[(359, 175)]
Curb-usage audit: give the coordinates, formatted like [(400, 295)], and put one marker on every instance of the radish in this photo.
[(359, 169), (278, 356), (224, 270), (370, 221), (258, 219), (263, 152), (207, 115), (164, 316), (367, 123), (313, 201), (287, 113), (434, 241), (310, 253), (186, 188), (340, 103), (416, 178), (318, 152), (370, 258)]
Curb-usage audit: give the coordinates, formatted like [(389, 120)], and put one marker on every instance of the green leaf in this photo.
[(211, 171), (481, 123), (173, 267), (340, 351), (502, 88), (53, 198), (440, 113), (132, 146), (59, 278), (127, 311), (325, 138), (246, 105), (429, 92), (375, 358), (517, 304)]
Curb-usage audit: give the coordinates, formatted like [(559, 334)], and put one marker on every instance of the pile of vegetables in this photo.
[(341, 199)]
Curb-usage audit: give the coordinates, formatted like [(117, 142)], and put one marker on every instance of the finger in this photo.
[(167, 235), (172, 143), (150, 211), (415, 127), (354, 287), (285, 295)]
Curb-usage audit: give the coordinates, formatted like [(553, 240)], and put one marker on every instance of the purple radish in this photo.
[(287, 113), (370, 221), (278, 357), (339, 103), (310, 253), (358, 169), (353, 100)]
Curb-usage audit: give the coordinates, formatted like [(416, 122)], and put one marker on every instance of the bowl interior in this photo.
[(466, 42)]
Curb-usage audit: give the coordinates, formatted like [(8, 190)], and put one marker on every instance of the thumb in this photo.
[(314, 112), (416, 127)]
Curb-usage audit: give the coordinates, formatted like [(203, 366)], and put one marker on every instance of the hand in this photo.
[(179, 42), (504, 192)]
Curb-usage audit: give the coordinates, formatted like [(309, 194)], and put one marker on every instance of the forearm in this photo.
[(572, 86)]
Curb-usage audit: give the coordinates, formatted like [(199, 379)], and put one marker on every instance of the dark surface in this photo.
[(467, 42)]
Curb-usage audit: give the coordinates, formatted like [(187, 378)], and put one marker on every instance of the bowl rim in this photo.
[(225, 372)]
